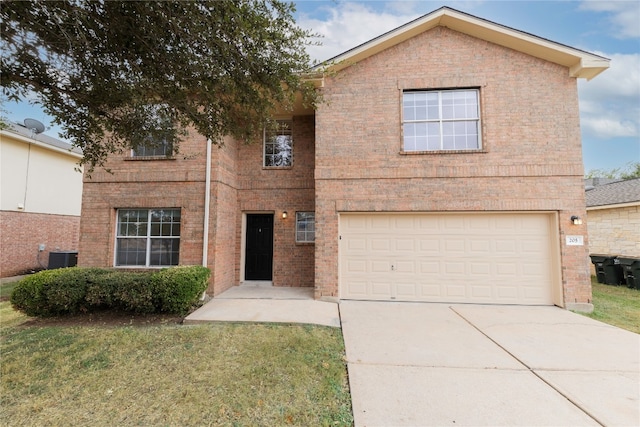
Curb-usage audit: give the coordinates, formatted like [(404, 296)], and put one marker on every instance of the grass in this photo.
[(217, 374), (6, 289), (616, 305)]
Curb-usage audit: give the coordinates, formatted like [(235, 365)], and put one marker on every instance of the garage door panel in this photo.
[(480, 269), (380, 266), (481, 247), (480, 292), (485, 258), (406, 291), (428, 246), (428, 268), (380, 245), (454, 246), (406, 245), (405, 267), (380, 290)]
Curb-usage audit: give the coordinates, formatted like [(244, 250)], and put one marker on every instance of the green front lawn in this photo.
[(616, 305), (171, 375)]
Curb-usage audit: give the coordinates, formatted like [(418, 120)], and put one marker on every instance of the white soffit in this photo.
[(581, 64)]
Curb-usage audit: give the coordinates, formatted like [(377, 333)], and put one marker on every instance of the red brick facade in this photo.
[(347, 158), (22, 234), (239, 185), (530, 160)]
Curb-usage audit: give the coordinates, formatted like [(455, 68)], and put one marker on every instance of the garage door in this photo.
[(475, 258)]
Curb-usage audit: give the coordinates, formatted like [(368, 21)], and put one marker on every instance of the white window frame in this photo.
[(279, 131), (442, 122), (147, 236), (303, 219)]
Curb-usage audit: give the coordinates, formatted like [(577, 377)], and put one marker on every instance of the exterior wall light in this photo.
[(575, 220), (284, 215)]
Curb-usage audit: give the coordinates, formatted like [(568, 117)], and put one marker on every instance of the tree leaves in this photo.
[(114, 72)]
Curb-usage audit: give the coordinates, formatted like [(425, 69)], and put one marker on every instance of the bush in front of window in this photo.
[(77, 289), (177, 288)]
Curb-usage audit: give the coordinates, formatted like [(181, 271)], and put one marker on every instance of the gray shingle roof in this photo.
[(614, 193), (45, 139)]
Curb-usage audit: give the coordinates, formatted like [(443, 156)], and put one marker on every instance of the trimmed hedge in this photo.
[(77, 289)]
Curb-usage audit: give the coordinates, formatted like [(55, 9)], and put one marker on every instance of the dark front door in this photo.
[(259, 247)]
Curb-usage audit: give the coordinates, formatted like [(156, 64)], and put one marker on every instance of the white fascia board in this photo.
[(616, 206), (27, 140), (581, 64)]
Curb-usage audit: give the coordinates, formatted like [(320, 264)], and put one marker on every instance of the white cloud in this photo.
[(349, 25), (625, 16), (610, 103)]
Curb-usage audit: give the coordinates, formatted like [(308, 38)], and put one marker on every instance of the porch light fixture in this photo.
[(575, 220), (284, 215)]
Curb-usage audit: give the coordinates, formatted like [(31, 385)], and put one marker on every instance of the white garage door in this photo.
[(478, 258)]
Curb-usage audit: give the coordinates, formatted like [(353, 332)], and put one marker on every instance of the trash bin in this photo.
[(608, 269), (631, 268)]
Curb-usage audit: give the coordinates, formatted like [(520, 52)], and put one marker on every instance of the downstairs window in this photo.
[(148, 237)]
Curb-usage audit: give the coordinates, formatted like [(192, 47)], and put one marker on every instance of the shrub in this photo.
[(29, 295), (134, 292), (177, 289), (67, 293), (70, 290)]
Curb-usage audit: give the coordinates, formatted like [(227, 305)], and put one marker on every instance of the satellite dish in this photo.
[(34, 125)]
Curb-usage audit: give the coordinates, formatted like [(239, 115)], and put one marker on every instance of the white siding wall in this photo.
[(38, 178)]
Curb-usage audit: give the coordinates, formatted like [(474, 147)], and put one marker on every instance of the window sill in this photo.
[(305, 243), (412, 153), (147, 158), (277, 167)]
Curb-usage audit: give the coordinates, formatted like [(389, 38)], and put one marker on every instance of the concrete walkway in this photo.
[(249, 303), (419, 364)]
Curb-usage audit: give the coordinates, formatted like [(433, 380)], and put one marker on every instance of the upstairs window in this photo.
[(161, 148), (148, 237), (278, 145), (438, 120)]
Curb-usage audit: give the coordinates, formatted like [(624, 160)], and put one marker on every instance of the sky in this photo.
[(609, 103)]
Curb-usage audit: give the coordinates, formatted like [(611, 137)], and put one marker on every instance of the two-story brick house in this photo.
[(443, 165)]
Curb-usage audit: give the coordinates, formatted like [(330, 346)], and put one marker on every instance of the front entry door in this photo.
[(259, 247)]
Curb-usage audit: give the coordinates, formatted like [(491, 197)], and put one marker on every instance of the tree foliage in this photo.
[(116, 73), (630, 171)]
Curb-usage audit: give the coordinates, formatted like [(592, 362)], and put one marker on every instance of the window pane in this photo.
[(162, 222), (305, 227), (456, 112), (131, 252), (153, 148), (164, 252), (278, 145), (132, 222)]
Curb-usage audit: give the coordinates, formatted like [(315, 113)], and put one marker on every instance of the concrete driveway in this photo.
[(419, 364)]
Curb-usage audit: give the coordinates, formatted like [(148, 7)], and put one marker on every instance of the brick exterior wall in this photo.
[(347, 158), (531, 157), (239, 185), (133, 183), (23, 232), (277, 190), (614, 231)]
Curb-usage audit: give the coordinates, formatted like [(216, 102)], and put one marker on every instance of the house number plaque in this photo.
[(575, 240)]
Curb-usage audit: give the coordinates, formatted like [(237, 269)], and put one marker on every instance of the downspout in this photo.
[(207, 201)]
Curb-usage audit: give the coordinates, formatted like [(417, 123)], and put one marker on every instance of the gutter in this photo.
[(207, 201)]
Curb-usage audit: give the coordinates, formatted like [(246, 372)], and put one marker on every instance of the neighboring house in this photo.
[(443, 165), (613, 213), (40, 199)]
